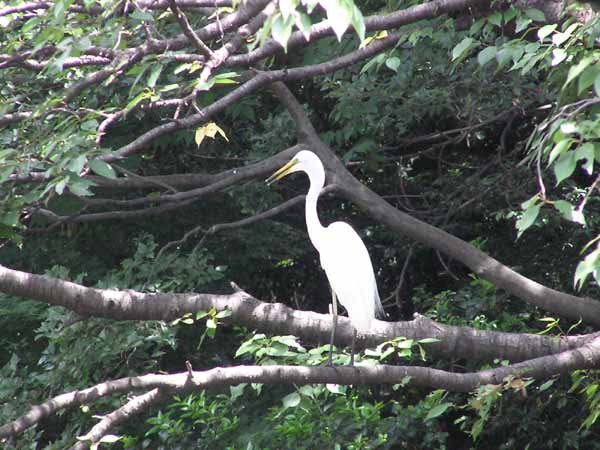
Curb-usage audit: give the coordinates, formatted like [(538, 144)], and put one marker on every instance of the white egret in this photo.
[(344, 256)]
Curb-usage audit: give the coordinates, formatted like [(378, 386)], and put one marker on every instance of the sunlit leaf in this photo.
[(569, 212), (535, 14), (564, 167), (486, 55), (527, 219), (461, 48), (208, 130), (438, 410), (393, 63), (282, 29), (102, 168), (291, 400), (546, 31)]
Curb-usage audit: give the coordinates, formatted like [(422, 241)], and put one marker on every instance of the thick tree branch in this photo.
[(276, 318), (584, 357)]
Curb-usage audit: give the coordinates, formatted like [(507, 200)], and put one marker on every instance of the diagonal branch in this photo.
[(483, 265), (136, 405), (188, 31)]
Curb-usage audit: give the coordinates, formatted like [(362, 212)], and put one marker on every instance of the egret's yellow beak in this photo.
[(285, 170)]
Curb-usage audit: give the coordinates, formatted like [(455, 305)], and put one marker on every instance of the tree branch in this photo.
[(260, 80), (585, 357), (188, 31), (169, 202), (276, 318), (503, 277), (136, 405)]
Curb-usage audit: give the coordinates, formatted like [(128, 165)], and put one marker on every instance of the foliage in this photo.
[(520, 98)]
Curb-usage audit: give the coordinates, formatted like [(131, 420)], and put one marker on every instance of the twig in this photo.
[(396, 292), (188, 31), (588, 194)]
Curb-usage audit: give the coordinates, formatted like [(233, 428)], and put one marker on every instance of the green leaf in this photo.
[(564, 167), (546, 31), (597, 85), (461, 48), (486, 55), (154, 74), (9, 218), (282, 30), (80, 187), (576, 70), (558, 56), (335, 388), (588, 266), (102, 168), (504, 55), (528, 203), (428, 341), (358, 21), (138, 98), (201, 314), (304, 23), (246, 347), (438, 410), (559, 149), (587, 152), (286, 7), (109, 438), (291, 400), (408, 343), (527, 219), (393, 63), (237, 391), (559, 38), (225, 313), (141, 15), (588, 77), (76, 164), (522, 23), (496, 19), (568, 211), (339, 15), (535, 14)]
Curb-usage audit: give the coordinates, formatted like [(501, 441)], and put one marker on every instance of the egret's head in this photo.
[(302, 161)]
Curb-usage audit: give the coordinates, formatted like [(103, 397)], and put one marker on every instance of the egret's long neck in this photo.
[(315, 229)]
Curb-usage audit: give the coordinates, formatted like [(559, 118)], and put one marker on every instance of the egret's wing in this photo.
[(347, 264)]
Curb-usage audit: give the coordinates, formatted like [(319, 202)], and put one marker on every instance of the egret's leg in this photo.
[(335, 318), (352, 348)]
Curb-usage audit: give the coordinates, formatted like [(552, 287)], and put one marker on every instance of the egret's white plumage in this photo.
[(350, 273), (344, 256)]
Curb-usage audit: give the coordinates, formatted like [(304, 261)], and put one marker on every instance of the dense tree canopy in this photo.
[(155, 293)]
